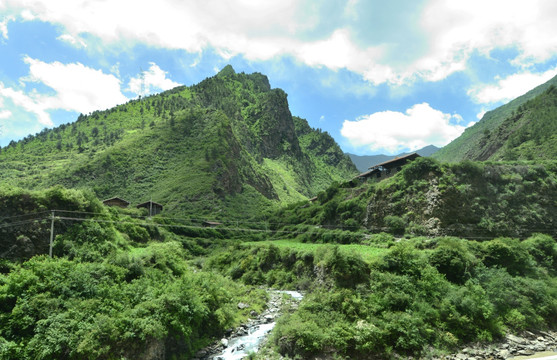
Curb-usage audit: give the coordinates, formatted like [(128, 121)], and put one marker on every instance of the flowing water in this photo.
[(241, 346)]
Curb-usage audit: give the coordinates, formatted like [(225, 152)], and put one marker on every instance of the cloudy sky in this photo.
[(379, 76)]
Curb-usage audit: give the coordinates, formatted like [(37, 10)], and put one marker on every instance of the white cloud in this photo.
[(78, 87), (510, 87), (261, 30), (152, 80), (4, 26), (419, 126), (458, 28), (72, 40), (31, 103), (75, 88), (5, 114)]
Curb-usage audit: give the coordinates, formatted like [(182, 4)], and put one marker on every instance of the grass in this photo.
[(368, 253)]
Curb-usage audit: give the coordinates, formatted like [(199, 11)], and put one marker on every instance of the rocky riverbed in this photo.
[(246, 339), (527, 344)]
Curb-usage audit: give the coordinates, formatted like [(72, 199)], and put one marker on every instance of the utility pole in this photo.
[(51, 233)]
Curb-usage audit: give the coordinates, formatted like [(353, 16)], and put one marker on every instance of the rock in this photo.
[(516, 339), (242, 306), (201, 353), (526, 352), (269, 318), (224, 342), (504, 354), (253, 314)]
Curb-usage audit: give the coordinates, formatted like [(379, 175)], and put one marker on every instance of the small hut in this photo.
[(116, 201), (153, 207), (393, 166)]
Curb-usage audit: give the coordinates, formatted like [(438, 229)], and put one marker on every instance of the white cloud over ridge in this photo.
[(510, 87), (151, 80), (418, 126), (454, 30)]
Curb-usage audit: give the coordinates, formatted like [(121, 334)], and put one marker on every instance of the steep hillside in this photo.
[(227, 146), (529, 133), (475, 142), (469, 199)]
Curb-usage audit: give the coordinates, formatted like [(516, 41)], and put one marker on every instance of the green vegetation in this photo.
[(117, 287), (383, 272), (420, 296), (522, 129), (207, 150), (121, 285), (469, 199)]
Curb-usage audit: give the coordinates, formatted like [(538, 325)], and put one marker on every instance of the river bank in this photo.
[(245, 340), (523, 346)]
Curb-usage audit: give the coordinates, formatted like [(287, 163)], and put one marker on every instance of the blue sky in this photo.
[(379, 76)]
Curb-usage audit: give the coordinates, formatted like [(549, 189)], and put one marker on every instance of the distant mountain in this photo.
[(364, 162), (227, 146), (501, 133)]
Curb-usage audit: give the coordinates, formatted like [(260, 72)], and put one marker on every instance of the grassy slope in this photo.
[(224, 145), (466, 146)]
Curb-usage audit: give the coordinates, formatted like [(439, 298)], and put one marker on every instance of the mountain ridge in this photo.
[(226, 146), (463, 147)]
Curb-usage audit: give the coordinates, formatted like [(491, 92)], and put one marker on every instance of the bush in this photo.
[(543, 249), (419, 168), (453, 259), (507, 253), (395, 224)]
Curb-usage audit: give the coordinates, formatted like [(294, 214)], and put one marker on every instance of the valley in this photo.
[(450, 250)]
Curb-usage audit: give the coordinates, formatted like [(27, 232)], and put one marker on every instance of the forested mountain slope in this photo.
[(227, 146), (477, 200), (494, 130)]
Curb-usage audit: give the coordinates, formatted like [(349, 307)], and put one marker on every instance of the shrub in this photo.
[(507, 253), (395, 224), (453, 259), (419, 168)]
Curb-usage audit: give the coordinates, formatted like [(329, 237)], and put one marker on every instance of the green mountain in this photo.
[(522, 129), (227, 146)]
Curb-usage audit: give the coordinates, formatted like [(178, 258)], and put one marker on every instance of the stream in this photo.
[(248, 338)]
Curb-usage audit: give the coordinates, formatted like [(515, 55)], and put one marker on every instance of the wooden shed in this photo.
[(153, 207), (116, 201), (390, 167)]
